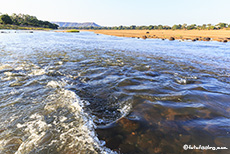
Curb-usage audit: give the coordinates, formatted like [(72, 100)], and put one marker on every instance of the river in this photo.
[(66, 93)]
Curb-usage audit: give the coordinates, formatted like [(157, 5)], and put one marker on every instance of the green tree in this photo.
[(133, 27), (28, 20), (203, 26), (5, 19), (174, 27), (150, 27), (190, 27), (167, 27), (184, 26), (120, 27), (160, 27), (209, 25), (221, 25)]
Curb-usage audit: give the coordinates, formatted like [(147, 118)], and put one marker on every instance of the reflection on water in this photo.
[(88, 93)]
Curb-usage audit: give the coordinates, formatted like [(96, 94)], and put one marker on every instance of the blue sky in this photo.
[(123, 12)]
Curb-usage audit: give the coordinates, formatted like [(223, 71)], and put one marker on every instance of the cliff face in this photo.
[(75, 24)]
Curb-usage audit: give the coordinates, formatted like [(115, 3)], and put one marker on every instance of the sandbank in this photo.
[(194, 35)]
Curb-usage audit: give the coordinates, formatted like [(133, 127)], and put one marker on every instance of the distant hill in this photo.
[(75, 24)]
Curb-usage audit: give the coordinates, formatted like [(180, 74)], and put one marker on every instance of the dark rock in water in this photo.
[(193, 40), (171, 39), (138, 37), (206, 39), (144, 37), (225, 41), (163, 39)]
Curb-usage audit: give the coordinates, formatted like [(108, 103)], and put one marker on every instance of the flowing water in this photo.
[(64, 93)]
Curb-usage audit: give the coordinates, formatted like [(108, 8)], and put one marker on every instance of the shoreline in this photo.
[(14, 27), (193, 35)]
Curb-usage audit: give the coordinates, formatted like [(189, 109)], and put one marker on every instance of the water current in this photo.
[(78, 93)]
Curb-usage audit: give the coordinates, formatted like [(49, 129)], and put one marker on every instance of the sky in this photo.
[(123, 12)]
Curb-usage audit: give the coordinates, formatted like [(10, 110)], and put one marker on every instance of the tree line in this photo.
[(25, 20), (159, 27)]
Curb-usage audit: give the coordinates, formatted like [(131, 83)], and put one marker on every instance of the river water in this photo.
[(66, 93)]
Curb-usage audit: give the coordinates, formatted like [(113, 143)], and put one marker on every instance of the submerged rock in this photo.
[(120, 135), (128, 125), (144, 37), (206, 39), (171, 39)]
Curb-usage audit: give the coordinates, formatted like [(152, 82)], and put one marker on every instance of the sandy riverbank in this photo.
[(195, 35)]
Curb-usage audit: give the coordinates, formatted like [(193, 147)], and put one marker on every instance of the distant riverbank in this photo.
[(15, 27), (193, 35)]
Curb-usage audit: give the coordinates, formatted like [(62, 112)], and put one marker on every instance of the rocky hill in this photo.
[(75, 24)]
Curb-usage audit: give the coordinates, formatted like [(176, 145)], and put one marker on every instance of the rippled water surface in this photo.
[(86, 93)]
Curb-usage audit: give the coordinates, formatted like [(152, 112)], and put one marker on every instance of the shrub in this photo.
[(5, 19), (72, 31)]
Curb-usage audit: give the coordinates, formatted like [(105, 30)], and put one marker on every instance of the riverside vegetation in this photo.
[(160, 27), (193, 32), (24, 21)]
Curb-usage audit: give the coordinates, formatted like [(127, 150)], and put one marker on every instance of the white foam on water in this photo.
[(36, 129), (59, 63), (55, 84), (8, 73), (70, 130), (181, 81), (13, 71), (5, 66), (37, 72), (60, 125), (7, 77), (125, 110)]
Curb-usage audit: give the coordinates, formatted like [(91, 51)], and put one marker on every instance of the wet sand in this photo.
[(194, 35)]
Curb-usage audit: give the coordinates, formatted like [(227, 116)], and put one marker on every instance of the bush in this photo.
[(5, 19), (72, 31)]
